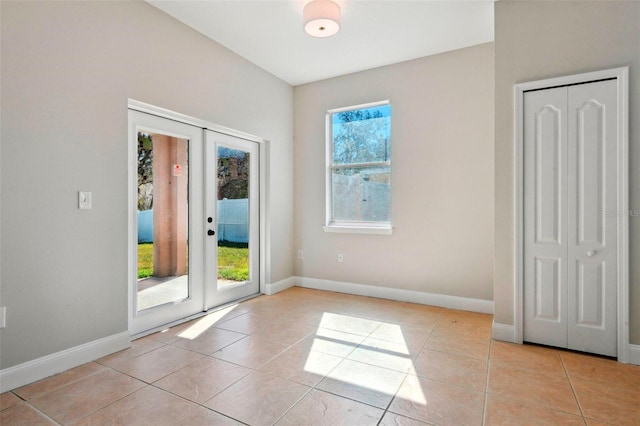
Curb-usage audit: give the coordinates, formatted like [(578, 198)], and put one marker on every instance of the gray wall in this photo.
[(442, 177), (67, 71), (536, 40)]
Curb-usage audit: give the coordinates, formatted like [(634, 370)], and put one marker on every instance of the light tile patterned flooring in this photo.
[(307, 357)]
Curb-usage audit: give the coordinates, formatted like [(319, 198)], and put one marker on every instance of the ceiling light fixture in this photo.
[(321, 18)]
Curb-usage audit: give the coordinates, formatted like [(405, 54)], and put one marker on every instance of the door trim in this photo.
[(264, 148), (622, 78)]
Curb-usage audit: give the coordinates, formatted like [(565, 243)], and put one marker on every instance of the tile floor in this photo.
[(307, 357)]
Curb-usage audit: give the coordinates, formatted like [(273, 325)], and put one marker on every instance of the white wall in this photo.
[(442, 177), (68, 69), (536, 40)]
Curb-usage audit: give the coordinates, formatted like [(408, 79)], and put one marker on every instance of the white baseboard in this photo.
[(31, 371), (279, 286), (442, 300), (633, 354), (504, 332)]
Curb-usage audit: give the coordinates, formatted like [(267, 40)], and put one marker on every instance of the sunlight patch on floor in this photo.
[(335, 342), (412, 391), (392, 356), (205, 323)]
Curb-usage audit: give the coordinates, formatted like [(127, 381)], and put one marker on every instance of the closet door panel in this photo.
[(545, 262), (592, 233)]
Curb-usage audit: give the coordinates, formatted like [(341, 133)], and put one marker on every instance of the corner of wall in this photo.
[(277, 287)]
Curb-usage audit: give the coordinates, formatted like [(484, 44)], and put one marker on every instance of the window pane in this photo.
[(361, 194), (362, 135)]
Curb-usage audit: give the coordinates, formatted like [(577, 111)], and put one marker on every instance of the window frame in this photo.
[(359, 227)]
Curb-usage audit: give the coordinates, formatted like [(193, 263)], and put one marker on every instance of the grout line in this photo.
[(111, 403), (386, 410), (350, 399), (17, 396), (39, 395), (209, 409), (424, 345), (315, 386), (573, 391), (294, 404), (542, 406), (216, 394), (486, 385), (448, 352), (42, 413)]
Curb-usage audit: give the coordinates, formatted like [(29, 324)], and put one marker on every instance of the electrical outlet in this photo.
[(300, 254), (340, 258), (3, 317), (84, 200)]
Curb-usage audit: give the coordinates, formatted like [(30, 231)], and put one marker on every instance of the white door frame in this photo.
[(264, 144), (622, 77)]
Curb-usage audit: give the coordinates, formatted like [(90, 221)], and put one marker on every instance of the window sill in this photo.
[(373, 230)]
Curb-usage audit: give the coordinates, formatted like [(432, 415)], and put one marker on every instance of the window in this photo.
[(359, 168)]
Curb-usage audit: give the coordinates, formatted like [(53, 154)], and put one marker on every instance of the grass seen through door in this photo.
[(145, 260), (233, 262)]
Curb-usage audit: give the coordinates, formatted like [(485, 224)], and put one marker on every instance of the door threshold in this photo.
[(192, 317)]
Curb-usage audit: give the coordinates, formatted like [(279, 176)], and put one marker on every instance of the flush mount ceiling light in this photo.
[(321, 18)]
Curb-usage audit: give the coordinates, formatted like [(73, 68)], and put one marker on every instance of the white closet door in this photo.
[(570, 223), (545, 220), (592, 235)]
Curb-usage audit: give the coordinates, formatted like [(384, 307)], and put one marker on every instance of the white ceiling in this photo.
[(269, 33)]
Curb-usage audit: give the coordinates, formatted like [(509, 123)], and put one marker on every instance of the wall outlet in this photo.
[(3, 317), (84, 200), (300, 254), (340, 258)]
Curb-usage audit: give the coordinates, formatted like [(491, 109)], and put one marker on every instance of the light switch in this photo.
[(84, 200), (3, 317)]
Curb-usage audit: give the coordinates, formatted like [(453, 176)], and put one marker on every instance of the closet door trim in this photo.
[(621, 75)]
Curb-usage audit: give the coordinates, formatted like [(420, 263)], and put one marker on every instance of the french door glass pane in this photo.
[(233, 216), (163, 220)]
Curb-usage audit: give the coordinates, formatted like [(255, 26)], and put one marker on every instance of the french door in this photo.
[(194, 220), (232, 205)]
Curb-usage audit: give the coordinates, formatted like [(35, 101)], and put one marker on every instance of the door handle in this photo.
[(211, 232), (590, 253)]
